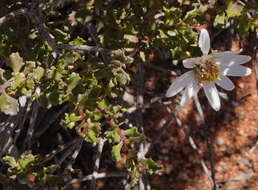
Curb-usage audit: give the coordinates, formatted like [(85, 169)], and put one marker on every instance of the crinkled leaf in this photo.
[(73, 81), (102, 104), (135, 173), (121, 78), (98, 116), (3, 102), (132, 132), (220, 19), (152, 166), (71, 125), (74, 117), (9, 105), (15, 61), (233, 8), (78, 41), (52, 97), (133, 140), (38, 73), (92, 132), (11, 161), (192, 14), (26, 161), (116, 152), (19, 80), (113, 136)]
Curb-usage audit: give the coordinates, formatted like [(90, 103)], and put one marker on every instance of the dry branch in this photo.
[(96, 176), (97, 162), (12, 15)]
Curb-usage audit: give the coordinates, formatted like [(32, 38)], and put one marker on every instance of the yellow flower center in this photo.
[(207, 70)]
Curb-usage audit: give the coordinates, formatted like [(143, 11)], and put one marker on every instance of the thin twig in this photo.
[(43, 32), (94, 49), (96, 176), (190, 139), (76, 152), (69, 150), (33, 119), (71, 143), (51, 120), (97, 162), (12, 15), (139, 117), (24, 114), (98, 44), (143, 147), (139, 96), (35, 16), (208, 141), (164, 127), (6, 132)]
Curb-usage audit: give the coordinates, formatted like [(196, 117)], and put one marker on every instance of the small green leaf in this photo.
[(135, 173), (71, 125), (116, 152), (61, 34), (93, 131), (3, 102), (73, 81), (26, 161), (73, 117), (19, 80), (153, 167), (121, 78), (78, 41), (52, 97), (134, 139), (8, 105), (102, 104), (220, 19), (38, 73), (192, 14), (15, 61), (233, 8), (91, 137), (11, 161), (98, 116), (113, 136), (132, 132)]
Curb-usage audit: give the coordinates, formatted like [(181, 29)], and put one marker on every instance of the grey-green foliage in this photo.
[(93, 82)]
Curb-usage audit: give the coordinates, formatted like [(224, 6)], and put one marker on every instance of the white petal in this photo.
[(225, 83), (204, 41), (237, 70), (190, 63), (189, 92), (228, 60), (180, 83), (211, 93), (187, 95), (218, 54)]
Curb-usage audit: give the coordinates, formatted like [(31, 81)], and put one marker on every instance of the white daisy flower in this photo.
[(208, 70)]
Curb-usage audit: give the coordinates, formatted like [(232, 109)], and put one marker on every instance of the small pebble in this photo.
[(220, 141)]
